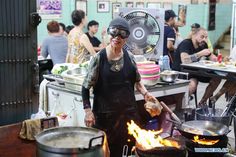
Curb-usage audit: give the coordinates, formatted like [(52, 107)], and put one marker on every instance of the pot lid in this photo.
[(71, 137)]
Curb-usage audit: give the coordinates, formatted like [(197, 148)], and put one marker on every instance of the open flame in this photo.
[(149, 139), (204, 141)]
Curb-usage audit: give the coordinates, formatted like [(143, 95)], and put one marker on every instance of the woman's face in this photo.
[(117, 42)]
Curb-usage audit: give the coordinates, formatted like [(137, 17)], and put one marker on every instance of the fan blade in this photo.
[(154, 33)]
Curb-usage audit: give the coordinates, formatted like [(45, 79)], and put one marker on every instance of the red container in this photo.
[(39, 51), (219, 57)]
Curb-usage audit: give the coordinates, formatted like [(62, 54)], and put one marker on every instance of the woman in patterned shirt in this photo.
[(79, 47)]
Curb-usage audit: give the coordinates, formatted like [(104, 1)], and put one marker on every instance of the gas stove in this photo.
[(190, 149), (218, 149)]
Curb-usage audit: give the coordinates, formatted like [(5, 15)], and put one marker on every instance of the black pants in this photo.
[(115, 126)]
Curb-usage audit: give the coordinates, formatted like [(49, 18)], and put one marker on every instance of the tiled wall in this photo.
[(195, 13)]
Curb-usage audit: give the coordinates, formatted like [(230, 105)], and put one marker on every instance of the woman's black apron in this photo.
[(114, 102)]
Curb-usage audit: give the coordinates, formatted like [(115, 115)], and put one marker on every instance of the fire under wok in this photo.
[(165, 151), (203, 129)]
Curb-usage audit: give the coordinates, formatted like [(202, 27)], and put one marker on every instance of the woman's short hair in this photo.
[(77, 16), (69, 28), (53, 27), (63, 26)]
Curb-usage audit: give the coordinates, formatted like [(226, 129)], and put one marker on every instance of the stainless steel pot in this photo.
[(72, 142), (169, 75)]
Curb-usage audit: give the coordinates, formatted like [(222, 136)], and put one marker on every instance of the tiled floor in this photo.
[(221, 103)]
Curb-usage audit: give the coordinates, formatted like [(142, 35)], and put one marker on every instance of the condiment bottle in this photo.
[(166, 62), (160, 62), (219, 56)]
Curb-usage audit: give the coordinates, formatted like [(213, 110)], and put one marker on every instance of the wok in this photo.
[(203, 129), (165, 151)]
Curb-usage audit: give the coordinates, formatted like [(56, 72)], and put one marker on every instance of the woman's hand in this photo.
[(89, 119), (149, 97)]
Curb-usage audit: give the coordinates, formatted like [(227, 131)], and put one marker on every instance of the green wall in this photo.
[(67, 8), (223, 21), (199, 14), (195, 14)]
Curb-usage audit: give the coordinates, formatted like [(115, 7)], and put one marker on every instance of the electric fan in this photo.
[(146, 31)]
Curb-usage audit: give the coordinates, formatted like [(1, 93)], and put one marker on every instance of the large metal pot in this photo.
[(216, 116), (72, 142)]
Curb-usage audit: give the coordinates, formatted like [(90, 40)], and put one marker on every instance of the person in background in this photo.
[(55, 44), (79, 47), (192, 50), (62, 28), (92, 30), (169, 34), (68, 29), (209, 45), (113, 75), (229, 86), (178, 38)]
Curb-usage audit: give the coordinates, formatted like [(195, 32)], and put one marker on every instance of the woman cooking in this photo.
[(113, 75)]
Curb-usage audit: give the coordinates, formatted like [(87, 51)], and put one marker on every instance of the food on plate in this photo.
[(230, 63), (214, 64), (206, 62), (59, 69), (219, 65)]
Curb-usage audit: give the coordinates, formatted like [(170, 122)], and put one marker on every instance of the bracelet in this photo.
[(193, 57)]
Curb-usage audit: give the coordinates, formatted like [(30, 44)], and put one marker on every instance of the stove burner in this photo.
[(218, 149), (164, 151)]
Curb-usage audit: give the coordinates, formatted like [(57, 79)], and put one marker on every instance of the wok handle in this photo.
[(167, 109), (92, 139)]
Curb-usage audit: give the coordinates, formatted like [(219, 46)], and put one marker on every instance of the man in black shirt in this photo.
[(192, 50), (92, 30), (169, 34)]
